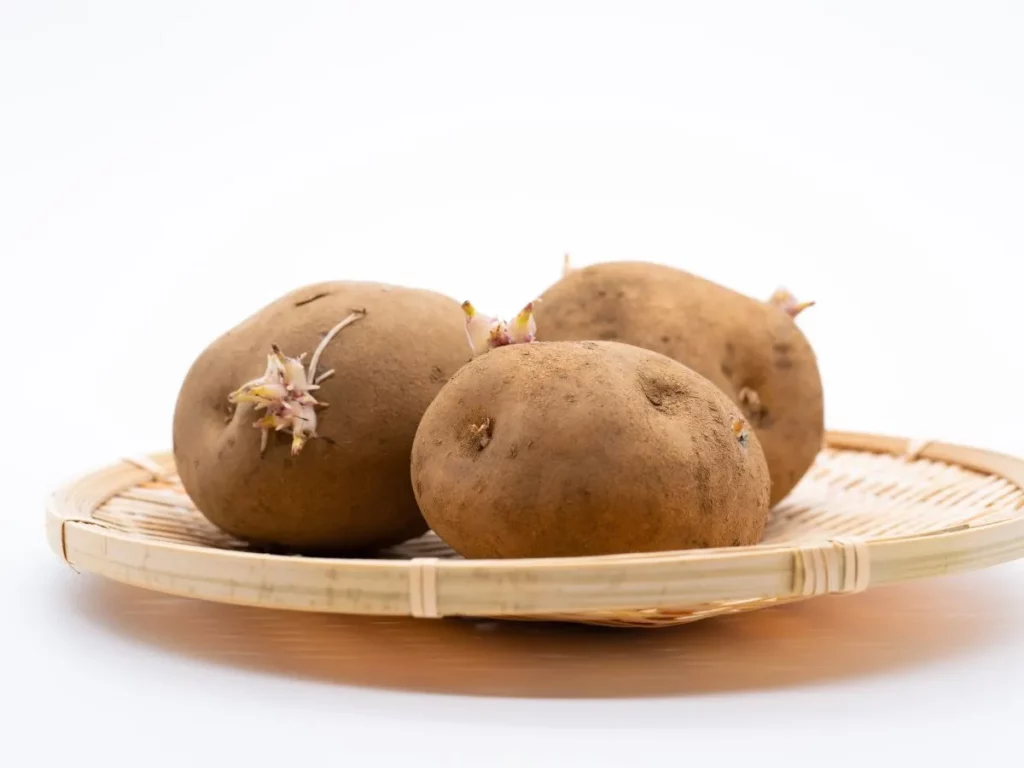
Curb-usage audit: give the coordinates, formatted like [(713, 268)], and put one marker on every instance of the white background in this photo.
[(167, 168)]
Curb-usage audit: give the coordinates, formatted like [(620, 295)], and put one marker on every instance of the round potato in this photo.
[(555, 449), (752, 350), (331, 478)]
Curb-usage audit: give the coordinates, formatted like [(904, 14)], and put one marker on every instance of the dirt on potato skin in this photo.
[(740, 344), (560, 449), (348, 490)]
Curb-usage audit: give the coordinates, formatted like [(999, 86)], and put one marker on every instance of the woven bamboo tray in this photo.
[(873, 510)]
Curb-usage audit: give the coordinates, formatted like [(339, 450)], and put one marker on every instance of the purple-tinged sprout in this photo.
[(787, 302), (485, 332), (498, 335), (478, 328), (303, 425), (284, 391), (523, 328)]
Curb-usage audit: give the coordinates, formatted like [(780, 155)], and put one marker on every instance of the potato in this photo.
[(552, 449), (752, 350), (338, 480)]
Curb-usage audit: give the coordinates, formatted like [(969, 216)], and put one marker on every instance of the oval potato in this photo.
[(586, 448), (750, 349), (349, 488)]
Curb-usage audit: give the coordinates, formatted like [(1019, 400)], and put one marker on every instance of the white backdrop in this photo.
[(167, 168)]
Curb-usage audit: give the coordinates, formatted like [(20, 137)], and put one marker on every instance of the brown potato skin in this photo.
[(595, 448), (731, 339), (352, 492)]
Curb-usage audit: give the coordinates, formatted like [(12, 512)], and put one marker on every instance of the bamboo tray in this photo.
[(873, 510)]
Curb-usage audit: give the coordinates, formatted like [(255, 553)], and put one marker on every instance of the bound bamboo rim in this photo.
[(873, 510)]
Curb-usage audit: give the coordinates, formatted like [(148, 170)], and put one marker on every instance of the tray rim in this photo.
[(425, 587)]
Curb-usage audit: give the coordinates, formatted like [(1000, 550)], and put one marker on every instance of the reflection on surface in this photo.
[(818, 641)]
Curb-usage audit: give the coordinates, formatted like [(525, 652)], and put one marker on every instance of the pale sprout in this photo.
[(787, 302), (284, 391), (485, 332), (523, 328)]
